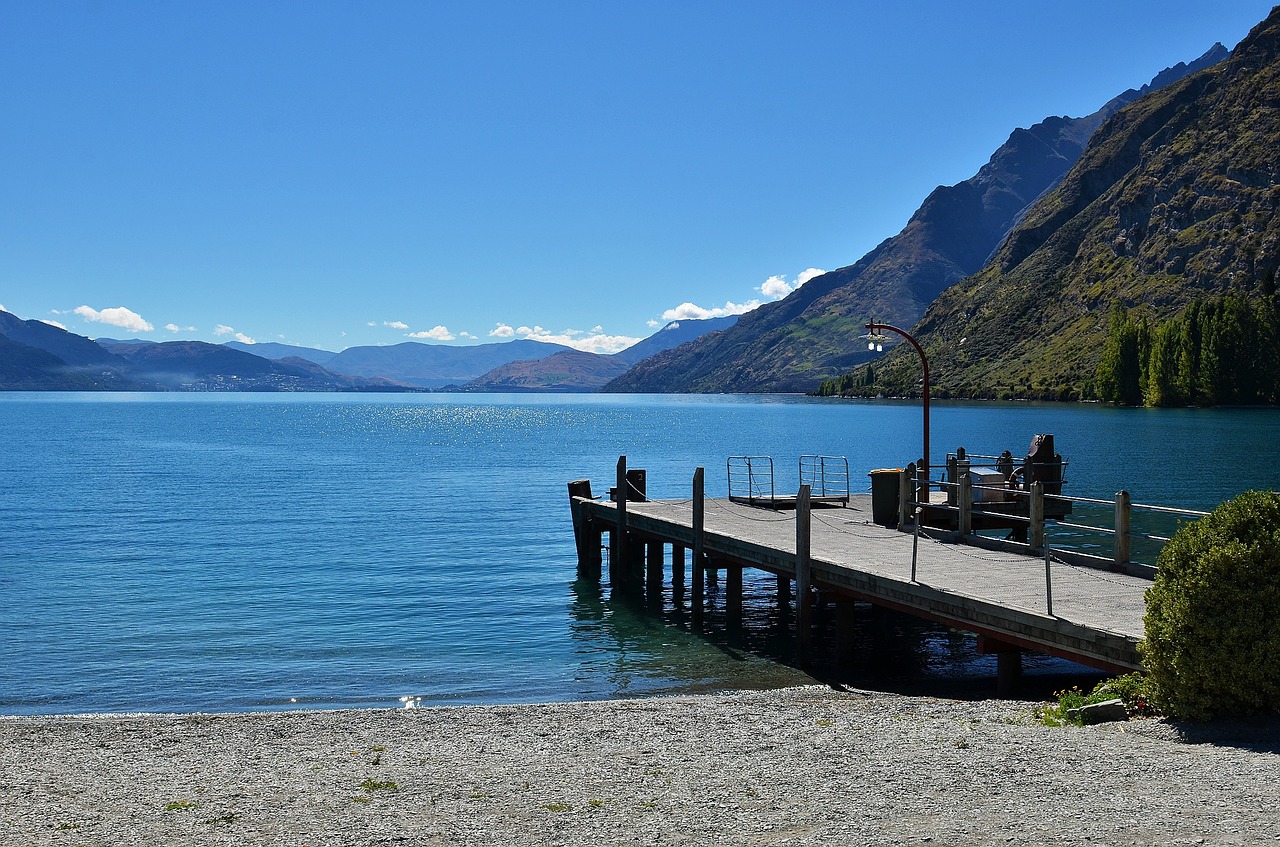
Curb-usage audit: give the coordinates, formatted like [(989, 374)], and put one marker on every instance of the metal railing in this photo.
[(1092, 517), (826, 476), (750, 477)]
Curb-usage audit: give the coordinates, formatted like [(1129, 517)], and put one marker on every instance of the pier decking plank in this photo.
[(1097, 615)]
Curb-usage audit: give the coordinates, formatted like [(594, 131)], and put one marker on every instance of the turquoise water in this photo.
[(228, 552)]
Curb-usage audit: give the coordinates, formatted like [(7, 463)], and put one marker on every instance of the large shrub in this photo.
[(1213, 614)]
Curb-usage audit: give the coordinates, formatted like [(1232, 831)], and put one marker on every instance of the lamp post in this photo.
[(875, 341)]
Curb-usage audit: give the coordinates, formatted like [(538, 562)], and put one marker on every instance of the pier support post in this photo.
[(699, 552), (1008, 673), (587, 541), (618, 564), (677, 565), (1035, 514), (733, 595), (784, 590), (804, 593), (1123, 512), (1008, 665), (653, 572)]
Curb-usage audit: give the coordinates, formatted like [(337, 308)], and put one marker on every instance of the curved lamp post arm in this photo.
[(924, 360)]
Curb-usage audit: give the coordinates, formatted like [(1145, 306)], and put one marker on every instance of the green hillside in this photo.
[(1173, 204)]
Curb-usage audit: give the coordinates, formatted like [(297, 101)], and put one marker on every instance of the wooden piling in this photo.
[(965, 522), (804, 586), (653, 572), (587, 562), (733, 595), (618, 565), (677, 565), (699, 551)]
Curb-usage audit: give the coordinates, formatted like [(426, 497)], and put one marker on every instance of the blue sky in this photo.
[(340, 173)]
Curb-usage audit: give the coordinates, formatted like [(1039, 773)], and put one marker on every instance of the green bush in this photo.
[(1212, 643)]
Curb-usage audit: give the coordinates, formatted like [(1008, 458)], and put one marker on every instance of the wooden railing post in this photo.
[(1035, 516), (804, 598), (1123, 514), (905, 491), (965, 523), (699, 553)]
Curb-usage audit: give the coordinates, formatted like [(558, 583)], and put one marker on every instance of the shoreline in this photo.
[(806, 765)]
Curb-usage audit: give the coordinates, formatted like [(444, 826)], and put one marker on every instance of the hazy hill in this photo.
[(436, 365), (794, 343), (273, 350), (35, 356), (197, 365), (574, 370), (1175, 199)]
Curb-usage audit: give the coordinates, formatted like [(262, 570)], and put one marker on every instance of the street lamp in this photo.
[(875, 341)]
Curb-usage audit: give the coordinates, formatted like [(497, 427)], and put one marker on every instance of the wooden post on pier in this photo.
[(906, 488), (584, 535), (965, 522), (699, 554), (1123, 510), (618, 565), (804, 593), (677, 565), (1035, 515)]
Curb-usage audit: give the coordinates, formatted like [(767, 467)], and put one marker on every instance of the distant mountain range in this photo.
[(793, 344), (1174, 201), (38, 356), (574, 370)]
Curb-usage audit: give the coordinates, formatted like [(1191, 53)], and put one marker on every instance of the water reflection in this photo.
[(650, 644)]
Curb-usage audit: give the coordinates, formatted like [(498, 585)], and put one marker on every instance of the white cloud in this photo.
[(691, 312), (776, 287), (653, 324), (223, 329), (395, 324), (502, 331), (115, 316), (46, 321), (372, 323), (590, 341), (244, 339), (465, 334), (437, 333), (175, 328)]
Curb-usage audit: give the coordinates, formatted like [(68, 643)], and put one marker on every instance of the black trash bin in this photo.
[(884, 496)]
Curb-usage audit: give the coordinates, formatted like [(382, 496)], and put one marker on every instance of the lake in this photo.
[(227, 552)]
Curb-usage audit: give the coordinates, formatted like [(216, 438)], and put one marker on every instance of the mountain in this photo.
[(436, 365), (673, 335), (574, 370), (812, 334), (199, 366), (1173, 204), (273, 350), (36, 356), (568, 370)]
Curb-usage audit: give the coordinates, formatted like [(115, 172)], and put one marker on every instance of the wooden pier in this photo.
[(1014, 597)]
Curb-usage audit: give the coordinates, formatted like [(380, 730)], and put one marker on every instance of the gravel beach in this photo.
[(797, 766)]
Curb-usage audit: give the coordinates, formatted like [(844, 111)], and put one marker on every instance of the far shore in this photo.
[(806, 765)]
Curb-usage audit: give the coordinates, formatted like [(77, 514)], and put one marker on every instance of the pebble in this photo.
[(803, 766)]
